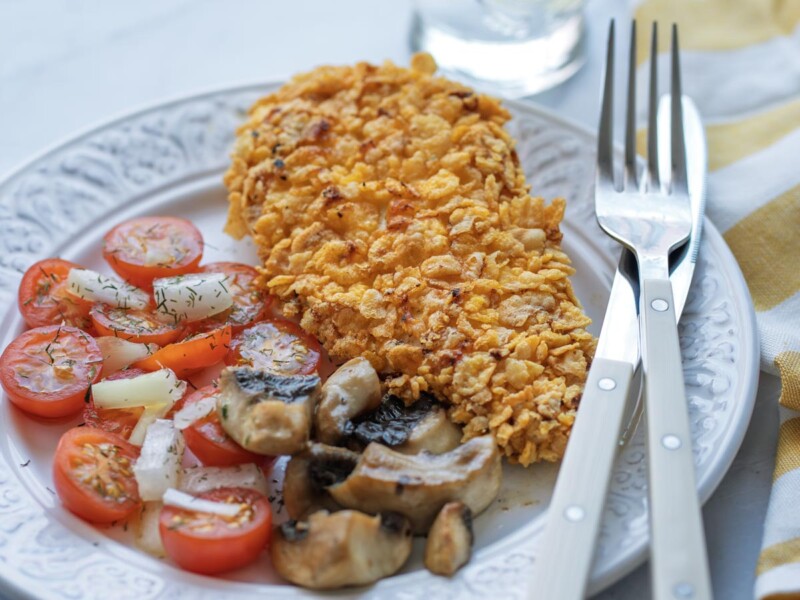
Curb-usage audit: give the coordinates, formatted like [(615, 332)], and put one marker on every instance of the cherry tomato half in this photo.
[(93, 475), (278, 346), (209, 442), (145, 248), (120, 421), (249, 303), (44, 300), (140, 326), (190, 355), (208, 543), (47, 371)]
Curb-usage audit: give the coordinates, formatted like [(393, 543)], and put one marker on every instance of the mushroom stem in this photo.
[(339, 549), (450, 539), (354, 388)]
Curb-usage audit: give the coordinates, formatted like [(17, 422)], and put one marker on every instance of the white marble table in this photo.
[(66, 65)]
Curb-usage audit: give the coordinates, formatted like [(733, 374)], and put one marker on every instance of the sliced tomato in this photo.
[(47, 371), (278, 346), (140, 326), (209, 442), (93, 475), (44, 300), (145, 248), (208, 543), (114, 420), (249, 303), (190, 355)]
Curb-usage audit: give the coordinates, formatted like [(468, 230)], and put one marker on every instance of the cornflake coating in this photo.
[(393, 218)]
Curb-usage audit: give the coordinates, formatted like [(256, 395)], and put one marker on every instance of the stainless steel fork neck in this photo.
[(653, 266)]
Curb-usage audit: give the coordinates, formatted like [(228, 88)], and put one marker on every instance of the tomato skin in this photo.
[(250, 304), (139, 326), (120, 421), (124, 248), (276, 345), (43, 298), (219, 546), (47, 371), (112, 471), (191, 354), (209, 442)]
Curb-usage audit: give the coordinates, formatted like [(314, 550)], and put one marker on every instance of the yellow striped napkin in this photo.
[(741, 64)]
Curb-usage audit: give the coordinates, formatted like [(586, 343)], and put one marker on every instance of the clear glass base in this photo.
[(510, 55)]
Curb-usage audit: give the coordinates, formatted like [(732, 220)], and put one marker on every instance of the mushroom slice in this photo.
[(409, 429), (352, 389), (434, 433), (338, 549), (450, 539), (418, 485), (309, 473), (265, 412)]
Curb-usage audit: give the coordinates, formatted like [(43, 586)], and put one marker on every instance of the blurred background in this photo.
[(69, 64)]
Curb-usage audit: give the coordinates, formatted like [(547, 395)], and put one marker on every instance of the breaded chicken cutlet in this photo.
[(393, 218)]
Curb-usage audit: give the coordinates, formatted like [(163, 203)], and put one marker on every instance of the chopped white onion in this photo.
[(150, 389), (118, 353), (178, 499), (149, 416), (197, 480), (194, 411), (191, 297), (159, 463), (91, 285), (148, 535)]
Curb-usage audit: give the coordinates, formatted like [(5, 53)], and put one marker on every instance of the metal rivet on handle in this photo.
[(659, 305), (671, 442), (683, 590), (574, 513), (607, 384)]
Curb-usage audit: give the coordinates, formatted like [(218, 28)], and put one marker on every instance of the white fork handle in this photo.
[(573, 520), (679, 564)]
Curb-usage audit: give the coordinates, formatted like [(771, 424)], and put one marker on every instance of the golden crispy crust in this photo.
[(393, 217)]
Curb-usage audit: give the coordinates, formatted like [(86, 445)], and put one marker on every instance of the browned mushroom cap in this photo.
[(450, 539), (309, 473), (267, 413), (354, 388), (418, 485), (420, 426), (338, 549)]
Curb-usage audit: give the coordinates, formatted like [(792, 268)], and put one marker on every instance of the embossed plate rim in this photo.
[(635, 551)]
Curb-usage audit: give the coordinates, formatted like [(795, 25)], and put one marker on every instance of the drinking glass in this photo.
[(511, 48)]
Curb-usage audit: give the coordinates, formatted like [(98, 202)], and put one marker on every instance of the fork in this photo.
[(651, 220)]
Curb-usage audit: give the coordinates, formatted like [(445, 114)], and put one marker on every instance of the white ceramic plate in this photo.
[(169, 160)]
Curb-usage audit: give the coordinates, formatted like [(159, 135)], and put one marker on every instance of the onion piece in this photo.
[(118, 353), (197, 480), (159, 463), (178, 499), (92, 286), (149, 416), (194, 411), (150, 389), (148, 535), (191, 297)]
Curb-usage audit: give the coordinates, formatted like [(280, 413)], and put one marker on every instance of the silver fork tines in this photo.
[(650, 220)]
